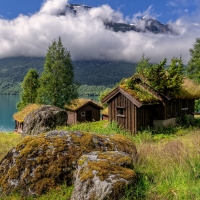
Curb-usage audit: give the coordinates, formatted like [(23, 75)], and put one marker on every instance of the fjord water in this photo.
[(7, 109)]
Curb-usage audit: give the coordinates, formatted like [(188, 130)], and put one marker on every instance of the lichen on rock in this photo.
[(45, 161), (103, 175)]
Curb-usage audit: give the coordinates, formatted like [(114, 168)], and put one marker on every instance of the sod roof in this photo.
[(76, 104), (143, 93), (105, 111), (140, 93), (189, 90), (19, 116)]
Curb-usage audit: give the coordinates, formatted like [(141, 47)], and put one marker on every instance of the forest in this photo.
[(93, 76)]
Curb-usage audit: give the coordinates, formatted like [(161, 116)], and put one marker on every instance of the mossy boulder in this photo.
[(103, 175), (41, 162), (44, 119)]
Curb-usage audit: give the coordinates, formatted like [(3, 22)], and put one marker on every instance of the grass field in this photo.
[(7, 141), (168, 164)]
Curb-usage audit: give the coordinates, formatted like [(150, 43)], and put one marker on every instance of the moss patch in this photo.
[(48, 160), (19, 116)]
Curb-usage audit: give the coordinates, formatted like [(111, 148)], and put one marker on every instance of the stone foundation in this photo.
[(164, 123)]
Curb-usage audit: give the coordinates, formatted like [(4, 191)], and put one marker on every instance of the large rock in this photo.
[(44, 119), (44, 161), (103, 175)]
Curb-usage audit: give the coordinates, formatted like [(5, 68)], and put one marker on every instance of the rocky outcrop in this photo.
[(44, 119), (41, 162), (103, 175)]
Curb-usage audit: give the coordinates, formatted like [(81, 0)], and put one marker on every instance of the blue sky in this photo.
[(27, 27), (163, 10)]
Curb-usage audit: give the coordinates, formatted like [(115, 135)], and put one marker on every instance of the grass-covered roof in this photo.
[(137, 91), (189, 90), (19, 116), (141, 90), (105, 111), (78, 103)]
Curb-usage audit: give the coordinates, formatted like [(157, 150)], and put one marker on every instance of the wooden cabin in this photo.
[(104, 114), (82, 110), (142, 107), (19, 116)]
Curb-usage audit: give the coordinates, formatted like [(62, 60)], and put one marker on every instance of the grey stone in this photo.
[(44, 119), (103, 175)]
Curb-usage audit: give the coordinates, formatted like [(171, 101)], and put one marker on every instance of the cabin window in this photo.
[(82, 114), (120, 112)]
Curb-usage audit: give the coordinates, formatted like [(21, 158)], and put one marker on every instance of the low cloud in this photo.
[(86, 37)]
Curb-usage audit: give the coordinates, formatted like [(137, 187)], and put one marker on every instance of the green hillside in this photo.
[(92, 73)]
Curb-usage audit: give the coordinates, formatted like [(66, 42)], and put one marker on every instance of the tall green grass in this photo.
[(167, 168), (7, 142), (103, 127)]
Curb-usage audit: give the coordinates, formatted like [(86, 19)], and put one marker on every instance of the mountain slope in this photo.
[(105, 73), (145, 24)]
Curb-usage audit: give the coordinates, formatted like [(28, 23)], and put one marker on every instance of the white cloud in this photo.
[(171, 3), (53, 6), (87, 38)]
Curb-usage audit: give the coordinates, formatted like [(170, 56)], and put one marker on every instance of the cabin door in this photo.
[(88, 116)]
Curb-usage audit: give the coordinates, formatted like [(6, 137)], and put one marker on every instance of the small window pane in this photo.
[(82, 114), (120, 111)]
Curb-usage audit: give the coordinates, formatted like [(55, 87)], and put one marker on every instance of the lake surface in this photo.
[(8, 108)]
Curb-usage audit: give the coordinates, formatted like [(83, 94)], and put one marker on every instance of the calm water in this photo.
[(8, 108)]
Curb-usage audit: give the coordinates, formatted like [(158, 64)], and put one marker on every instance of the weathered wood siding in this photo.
[(135, 119), (72, 117), (145, 116), (178, 107), (128, 119), (104, 117), (19, 126), (95, 113)]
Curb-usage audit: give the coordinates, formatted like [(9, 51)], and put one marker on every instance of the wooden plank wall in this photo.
[(128, 121), (89, 107), (145, 116), (174, 108), (136, 118)]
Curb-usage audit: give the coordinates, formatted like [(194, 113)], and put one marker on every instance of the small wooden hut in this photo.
[(104, 114), (141, 106), (19, 116), (81, 110)]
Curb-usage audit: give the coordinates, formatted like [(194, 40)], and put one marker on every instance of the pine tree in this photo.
[(143, 66), (175, 75), (29, 87), (162, 79), (156, 75), (193, 69), (57, 85)]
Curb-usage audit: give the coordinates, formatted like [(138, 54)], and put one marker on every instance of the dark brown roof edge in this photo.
[(132, 99), (110, 95), (90, 102), (117, 90)]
